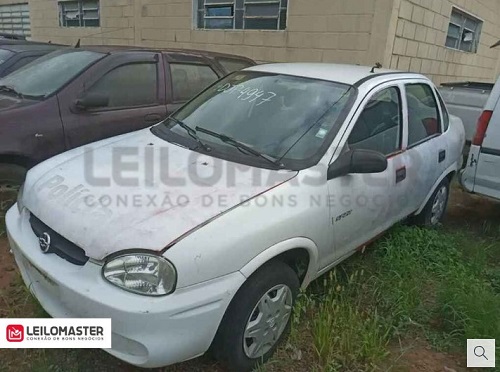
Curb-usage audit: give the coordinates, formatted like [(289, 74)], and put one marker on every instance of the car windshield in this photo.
[(5, 55), (281, 116), (49, 73)]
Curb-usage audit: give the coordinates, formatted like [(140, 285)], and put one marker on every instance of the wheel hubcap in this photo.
[(267, 321), (439, 205)]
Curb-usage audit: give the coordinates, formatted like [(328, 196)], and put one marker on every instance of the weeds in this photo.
[(414, 280)]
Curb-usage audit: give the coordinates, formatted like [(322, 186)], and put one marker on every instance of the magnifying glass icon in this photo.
[(480, 352)]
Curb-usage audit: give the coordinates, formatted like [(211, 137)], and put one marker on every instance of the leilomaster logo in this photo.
[(15, 332), (52, 333)]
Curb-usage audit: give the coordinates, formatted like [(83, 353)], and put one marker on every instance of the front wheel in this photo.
[(258, 318), (435, 209)]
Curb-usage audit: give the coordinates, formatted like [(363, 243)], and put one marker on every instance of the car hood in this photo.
[(159, 193)]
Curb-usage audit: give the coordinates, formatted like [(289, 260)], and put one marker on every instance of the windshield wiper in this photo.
[(192, 133), (241, 146), (7, 88)]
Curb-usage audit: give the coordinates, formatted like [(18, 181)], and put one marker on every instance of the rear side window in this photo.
[(446, 115), (190, 79), (423, 114), (129, 85), (231, 65), (379, 125), (5, 55)]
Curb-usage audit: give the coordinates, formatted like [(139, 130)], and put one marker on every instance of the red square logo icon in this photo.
[(15, 333)]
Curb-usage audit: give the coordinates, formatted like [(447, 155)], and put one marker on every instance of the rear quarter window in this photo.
[(231, 65)]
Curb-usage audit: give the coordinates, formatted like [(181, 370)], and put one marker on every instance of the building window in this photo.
[(15, 19), (81, 13), (463, 32), (242, 14)]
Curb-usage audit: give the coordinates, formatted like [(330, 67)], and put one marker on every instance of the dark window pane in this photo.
[(379, 125), (238, 19), (189, 80), (423, 114), (282, 19), (219, 23), (264, 10), (261, 24), (129, 85), (220, 11)]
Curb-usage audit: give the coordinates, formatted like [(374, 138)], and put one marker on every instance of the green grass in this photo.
[(438, 285), (428, 283)]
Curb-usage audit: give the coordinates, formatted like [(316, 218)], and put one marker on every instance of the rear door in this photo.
[(134, 84), (426, 152), (187, 76)]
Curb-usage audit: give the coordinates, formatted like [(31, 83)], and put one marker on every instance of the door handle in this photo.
[(38, 135), (400, 174), (442, 155), (153, 118)]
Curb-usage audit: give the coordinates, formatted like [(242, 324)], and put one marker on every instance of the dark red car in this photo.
[(72, 97)]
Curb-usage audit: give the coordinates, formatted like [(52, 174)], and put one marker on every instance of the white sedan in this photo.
[(199, 231)]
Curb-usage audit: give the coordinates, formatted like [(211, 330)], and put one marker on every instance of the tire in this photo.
[(230, 346), (11, 179), (431, 215)]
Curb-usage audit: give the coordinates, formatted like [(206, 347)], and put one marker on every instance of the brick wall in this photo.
[(421, 31), (318, 30)]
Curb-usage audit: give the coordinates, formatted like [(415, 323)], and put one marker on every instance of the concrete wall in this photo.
[(353, 31), (421, 31), (402, 34)]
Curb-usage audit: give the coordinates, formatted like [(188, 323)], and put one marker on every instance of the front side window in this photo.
[(190, 79), (423, 114), (48, 74), (79, 13), (379, 125), (290, 118), (242, 14), (129, 85), (464, 31)]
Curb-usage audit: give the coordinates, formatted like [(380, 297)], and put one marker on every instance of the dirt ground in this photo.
[(465, 212)]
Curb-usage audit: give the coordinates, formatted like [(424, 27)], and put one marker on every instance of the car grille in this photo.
[(58, 244)]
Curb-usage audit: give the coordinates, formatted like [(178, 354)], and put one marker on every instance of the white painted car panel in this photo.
[(481, 174), (217, 248)]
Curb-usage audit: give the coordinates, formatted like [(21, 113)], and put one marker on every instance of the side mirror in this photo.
[(91, 100), (357, 161)]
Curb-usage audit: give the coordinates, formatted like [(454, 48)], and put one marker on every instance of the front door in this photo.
[(134, 86), (362, 205)]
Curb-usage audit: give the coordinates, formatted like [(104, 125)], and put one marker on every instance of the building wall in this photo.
[(421, 31), (353, 31), (402, 34)]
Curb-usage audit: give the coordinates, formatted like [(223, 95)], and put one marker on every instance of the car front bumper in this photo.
[(147, 331)]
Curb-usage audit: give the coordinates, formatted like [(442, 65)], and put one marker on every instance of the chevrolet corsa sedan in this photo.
[(197, 233)]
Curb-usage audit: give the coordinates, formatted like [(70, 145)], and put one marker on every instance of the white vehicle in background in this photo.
[(481, 174), (466, 100), (307, 163)]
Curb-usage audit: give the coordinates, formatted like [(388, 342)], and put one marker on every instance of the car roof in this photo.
[(120, 49), (345, 74), (17, 48)]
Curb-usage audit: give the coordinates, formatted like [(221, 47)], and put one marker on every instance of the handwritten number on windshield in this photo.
[(247, 94)]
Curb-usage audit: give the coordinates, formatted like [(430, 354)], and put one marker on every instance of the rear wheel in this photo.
[(11, 179), (435, 209), (258, 318)]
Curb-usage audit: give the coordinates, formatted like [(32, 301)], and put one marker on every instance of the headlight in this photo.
[(20, 205), (141, 273)]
